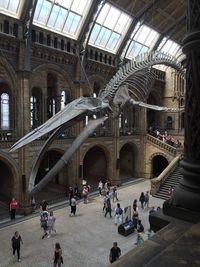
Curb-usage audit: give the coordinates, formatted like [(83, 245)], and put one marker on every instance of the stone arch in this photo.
[(51, 68), (9, 76), (95, 164), (60, 182), (127, 160), (159, 161), (96, 83), (9, 181)]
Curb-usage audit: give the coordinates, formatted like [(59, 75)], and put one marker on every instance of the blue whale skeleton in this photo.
[(134, 78)]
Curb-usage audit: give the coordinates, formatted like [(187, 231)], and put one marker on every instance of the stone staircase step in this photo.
[(172, 180)]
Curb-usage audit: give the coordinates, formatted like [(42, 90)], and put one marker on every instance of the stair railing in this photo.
[(164, 146), (158, 181)]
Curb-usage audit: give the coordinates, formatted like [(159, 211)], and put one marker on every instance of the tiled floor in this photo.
[(85, 239)]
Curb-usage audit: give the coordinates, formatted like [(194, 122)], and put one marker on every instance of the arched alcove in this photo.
[(58, 185), (126, 162), (159, 163), (95, 166), (6, 182)]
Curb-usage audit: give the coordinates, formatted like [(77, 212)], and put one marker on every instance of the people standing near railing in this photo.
[(13, 207)]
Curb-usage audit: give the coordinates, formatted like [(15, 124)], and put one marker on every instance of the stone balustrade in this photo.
[(162, 145)]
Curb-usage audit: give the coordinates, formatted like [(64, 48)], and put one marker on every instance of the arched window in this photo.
[(169, 123), (5, 111), (63, 100), (34, 112), (51, 107)]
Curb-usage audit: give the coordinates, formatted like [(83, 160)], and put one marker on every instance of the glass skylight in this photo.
[(144, 39), (110, 28), (11, 7), (62, 16), (169, 47)]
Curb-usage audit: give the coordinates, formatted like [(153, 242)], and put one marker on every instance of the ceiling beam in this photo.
[(141, 14), (169, 32)]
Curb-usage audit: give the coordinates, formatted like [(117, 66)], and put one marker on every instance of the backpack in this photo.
[(120, 211)]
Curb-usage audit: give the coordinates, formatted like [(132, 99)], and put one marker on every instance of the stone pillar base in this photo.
[(180, 213), (24, 210)]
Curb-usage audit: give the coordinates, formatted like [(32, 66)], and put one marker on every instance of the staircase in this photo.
[(172, 180)]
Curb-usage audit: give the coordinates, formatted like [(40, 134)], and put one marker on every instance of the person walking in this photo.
[(115, 253), (114, 194), (16, 242), (142, 200), (118, 214), (44, 221), (100, 186), (58, 259), (71, 194), (108, 208), (51, 223), (13, 207), (146, 201), (135, 218), (105, 198), (135, 204), (85, 194), (73, 206), (43, 205)]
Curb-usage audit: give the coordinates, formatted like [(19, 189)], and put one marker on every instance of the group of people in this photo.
[(110, 195), (16, 242), (47, 220), (165, 137)]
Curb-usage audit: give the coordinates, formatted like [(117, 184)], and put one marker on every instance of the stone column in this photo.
[(24, 153), (187, 194)]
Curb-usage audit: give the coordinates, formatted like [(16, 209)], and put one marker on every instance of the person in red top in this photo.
[(13, 207)]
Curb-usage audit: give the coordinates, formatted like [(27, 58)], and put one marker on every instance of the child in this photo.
[(140, 239), (51, 223)]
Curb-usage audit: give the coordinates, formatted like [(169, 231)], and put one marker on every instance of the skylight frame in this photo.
[(166, 45), (141, 36), (76, 12), (113, 23), (15, 13)]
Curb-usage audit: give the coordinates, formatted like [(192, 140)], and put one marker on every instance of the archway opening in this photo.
[(6, 187), (159, 164), (126, 162), (56, 188), (95, 166)]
